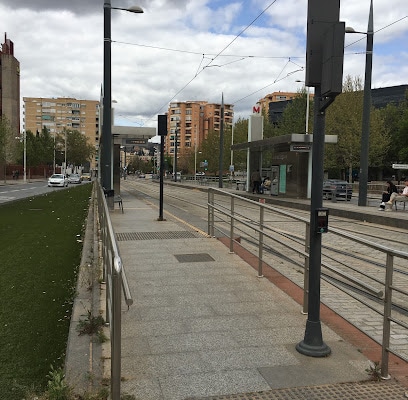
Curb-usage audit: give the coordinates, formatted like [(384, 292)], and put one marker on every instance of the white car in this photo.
[(58, 180), (74, 178)]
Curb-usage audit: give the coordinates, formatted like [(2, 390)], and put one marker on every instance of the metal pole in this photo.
[(161, 177), (365, 135), (195, 154), (221, 144), (106, 142), (387, 315), (65, 168), (175, 156), (309, 167), (312, 344), (25, 158), (54, 157), (116, 328)]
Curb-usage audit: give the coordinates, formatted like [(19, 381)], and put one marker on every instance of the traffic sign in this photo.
[(400, 166)]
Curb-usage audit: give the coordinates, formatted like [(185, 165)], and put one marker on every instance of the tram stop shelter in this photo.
[(285, 159)]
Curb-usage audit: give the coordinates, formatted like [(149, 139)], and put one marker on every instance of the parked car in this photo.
[(342, 189), (86, 176), (74, 178), (58, 180)]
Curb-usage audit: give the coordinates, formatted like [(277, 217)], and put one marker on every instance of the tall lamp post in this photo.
[(365, 130), (105, 163)]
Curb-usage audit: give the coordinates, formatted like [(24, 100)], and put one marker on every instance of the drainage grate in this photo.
[(126, 236), (342, 391), (199, 257)]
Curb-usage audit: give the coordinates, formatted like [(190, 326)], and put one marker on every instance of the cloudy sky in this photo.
[(188, 50)]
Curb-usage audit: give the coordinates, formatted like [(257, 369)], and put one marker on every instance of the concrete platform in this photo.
[(204, 326)]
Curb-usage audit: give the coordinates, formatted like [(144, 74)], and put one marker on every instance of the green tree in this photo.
[(79, 150), (293, 117), (344, 119)]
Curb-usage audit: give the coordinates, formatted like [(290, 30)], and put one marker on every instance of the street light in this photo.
[(105, 163), (365, 130)]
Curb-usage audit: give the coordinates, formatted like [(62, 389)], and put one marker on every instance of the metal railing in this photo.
[(115, 278), (224, 217)]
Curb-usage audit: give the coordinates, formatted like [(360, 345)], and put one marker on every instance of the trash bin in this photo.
[(110, 196)]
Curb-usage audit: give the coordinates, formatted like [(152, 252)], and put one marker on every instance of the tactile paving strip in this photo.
[(126, 236), (370, 390), (198, 257)]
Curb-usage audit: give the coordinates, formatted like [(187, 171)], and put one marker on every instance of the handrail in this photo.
[(115, 277), (232, 217)]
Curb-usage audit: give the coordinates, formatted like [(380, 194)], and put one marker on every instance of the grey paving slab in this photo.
[(211, 328)]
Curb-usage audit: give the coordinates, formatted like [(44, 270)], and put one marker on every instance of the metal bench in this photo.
[(403, 201), (118, 199)]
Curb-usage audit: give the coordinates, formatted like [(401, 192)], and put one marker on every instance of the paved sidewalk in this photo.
[(202, 324)]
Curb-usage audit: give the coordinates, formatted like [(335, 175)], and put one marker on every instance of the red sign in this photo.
[(256, 109)]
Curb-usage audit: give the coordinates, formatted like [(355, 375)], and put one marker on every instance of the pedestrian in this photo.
[(256, 181), (386, 195)]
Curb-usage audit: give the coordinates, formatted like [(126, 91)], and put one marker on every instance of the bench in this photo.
[(399, 199), (118, 199)]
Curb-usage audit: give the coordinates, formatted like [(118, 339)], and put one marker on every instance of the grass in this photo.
[(40, 255)]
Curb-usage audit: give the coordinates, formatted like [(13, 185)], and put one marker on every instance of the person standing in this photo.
[(256, 181), (386, 195)]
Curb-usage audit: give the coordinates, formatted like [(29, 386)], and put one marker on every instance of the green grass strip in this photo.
[(40, 253)]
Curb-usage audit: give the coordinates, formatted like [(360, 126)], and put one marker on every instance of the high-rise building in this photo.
[(10, 85), (193, 120), (58, 113)]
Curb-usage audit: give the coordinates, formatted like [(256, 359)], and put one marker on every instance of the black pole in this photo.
[(161, 178), (175, 156), (221, 159), (312, 344), (365, 134), (106, 142)]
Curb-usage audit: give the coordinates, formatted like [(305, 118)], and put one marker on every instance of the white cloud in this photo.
[(61, 50)]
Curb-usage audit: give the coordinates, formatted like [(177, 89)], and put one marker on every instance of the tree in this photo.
[(79, 151), (293, 117), (344, 119), (8, 143)]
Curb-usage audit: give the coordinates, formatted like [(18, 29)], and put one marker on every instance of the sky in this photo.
[(181, 50)]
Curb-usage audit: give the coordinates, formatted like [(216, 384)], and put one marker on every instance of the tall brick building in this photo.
[(10, 85), (193, 120)]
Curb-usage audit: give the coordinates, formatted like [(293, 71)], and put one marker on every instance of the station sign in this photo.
[(301, 148)]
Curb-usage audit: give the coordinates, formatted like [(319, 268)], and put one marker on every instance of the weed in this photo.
[(90, 325), (57, 389), (374, 370)]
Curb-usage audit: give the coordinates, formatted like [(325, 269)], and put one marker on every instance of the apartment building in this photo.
[(193, 120), (275, 97), (58, 113), (10, 85)]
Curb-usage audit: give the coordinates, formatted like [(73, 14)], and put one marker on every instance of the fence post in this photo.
[(232, 226), (260, 244), (210, 212), (387, 314), (306, 272), (116, 329)]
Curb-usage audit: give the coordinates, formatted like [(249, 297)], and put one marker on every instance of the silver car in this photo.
[(59, 180), (74, 178)]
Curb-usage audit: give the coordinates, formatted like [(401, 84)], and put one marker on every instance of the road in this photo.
[(12, 190)]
